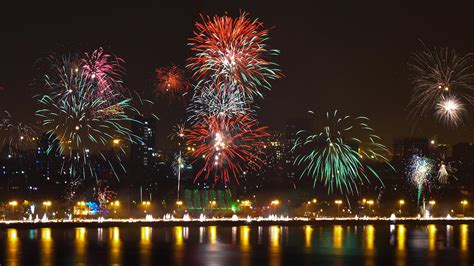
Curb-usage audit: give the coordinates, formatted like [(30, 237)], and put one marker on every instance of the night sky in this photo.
[(342, 55)]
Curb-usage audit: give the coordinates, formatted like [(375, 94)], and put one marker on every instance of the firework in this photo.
[(178, 133), (69, 73), (103, 69), (80, 123), (178, 163), (436, 73), (233, 50), (446, 170), (338, 154), (70, 192), (171, 82), (104, 194), (450, 110), (228, 146), (15, 135), (419, 171), (209, 102), (64, 74)]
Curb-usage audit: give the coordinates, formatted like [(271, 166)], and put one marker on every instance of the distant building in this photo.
[(275, 147), (441, 151), (404, 147), (143, 151), (293, 126), (143, 159), (464, 152)]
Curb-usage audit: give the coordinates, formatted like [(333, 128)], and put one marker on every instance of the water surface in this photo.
[(240, 245)]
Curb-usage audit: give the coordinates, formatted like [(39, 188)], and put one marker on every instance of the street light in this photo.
[(179, 203), (213, 204), (338, 203), (401, 202), (274, 204), (46, 204), (13, 204), (464, 203), (115, 205), (146, 204), (370, 203), (306, 208), (432, 203)]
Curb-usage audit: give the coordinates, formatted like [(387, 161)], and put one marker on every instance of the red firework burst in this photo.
[(104, 194), (233, 50), (228, 146), (171, 82), (103, 68)]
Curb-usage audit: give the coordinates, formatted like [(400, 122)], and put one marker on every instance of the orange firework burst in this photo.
[(171, 82)]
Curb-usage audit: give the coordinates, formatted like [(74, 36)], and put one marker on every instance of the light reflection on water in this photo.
[(115, 245), (401, 252), (244, 245), (81, 242), (13, 247), (145, 245), (47, 247), (369, 239), (274, 254)]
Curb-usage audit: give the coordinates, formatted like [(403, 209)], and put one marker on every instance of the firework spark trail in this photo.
[(104, 194), (329, 156), (209, 102), (437, 73), (81, 123), (178, 132), (171, 82), (233, 50), (70, 72), (228, 146), (420, 170), (14, 135), (104, 69), (446, 170), (64, 74)]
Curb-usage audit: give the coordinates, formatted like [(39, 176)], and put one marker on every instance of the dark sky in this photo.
[(346, 55)]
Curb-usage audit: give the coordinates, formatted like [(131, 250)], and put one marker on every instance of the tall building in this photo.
[(275, 147), (143, 159), (293, 126), (143, 152)]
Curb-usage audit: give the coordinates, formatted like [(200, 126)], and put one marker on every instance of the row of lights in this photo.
[(244, 203)]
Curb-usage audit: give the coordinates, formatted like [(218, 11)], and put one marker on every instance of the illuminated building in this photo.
[(143, 152)]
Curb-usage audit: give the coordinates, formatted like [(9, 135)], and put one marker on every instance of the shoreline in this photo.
[(230, 222)]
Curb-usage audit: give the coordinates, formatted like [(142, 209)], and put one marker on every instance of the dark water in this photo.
[(240, 245)]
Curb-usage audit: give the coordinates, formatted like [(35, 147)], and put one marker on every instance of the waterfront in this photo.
[(239, 245)]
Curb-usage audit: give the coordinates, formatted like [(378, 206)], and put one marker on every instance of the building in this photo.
[(143, 159), (143, 151), (275, 147), (404, 147), (464, 152), (293, 126), (441, 151)]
